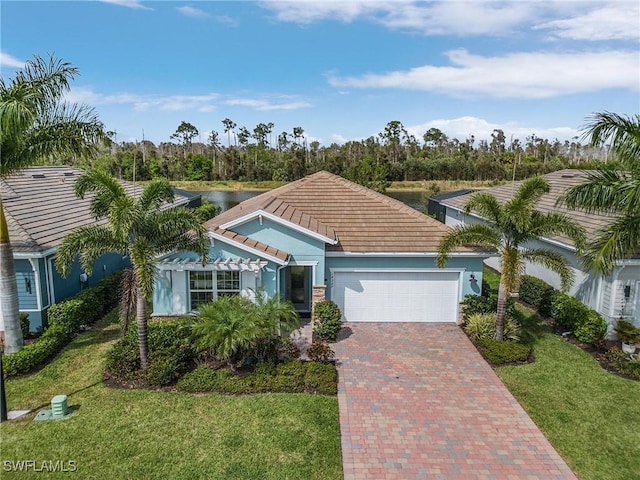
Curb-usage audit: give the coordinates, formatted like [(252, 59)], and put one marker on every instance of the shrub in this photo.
[(627, 332), (123, 359), (568, 311), (483, 326), (327, 320), (172, 353), (65, 319), (31, 356), (475, 304), (287, 350), (321, 378), (228, 328), (499, 352), (537, 293), (320, 352), (167, 366), (24, 324), (289, 377), (202, 379), (265, 368), (592, 328)]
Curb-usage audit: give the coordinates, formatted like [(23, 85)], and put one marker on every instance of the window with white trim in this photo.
[(200, 288), (206, 286), (227, 283)]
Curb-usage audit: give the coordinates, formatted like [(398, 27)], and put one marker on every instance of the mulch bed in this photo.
[(596, 351)]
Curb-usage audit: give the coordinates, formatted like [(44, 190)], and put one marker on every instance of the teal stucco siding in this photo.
[(302, 248)]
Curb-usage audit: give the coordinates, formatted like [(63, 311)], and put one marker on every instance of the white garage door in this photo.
[(365, 296)]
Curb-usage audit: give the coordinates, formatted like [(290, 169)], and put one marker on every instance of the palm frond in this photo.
[(176, 229), (622, 131), (520, 208), (106, 188), (88, 243), (485, 205), (553, 261), (551, 224), (601, 191), (155, 194), (475, 234), (618, 240)]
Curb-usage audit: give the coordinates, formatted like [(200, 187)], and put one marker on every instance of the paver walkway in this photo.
[(417, 401)]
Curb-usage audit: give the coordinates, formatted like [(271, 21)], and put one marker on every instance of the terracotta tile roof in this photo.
[(251, 243), (41, 207), (559, 181), (362, 220)]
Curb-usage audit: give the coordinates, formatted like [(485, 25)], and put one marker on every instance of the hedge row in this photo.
[(293, 376), (65, 319), (585, 323)]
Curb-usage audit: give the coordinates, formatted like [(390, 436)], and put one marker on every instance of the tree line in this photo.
[(393, 155)]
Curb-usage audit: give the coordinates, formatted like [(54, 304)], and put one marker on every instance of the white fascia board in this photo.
[(408, 254), (27, 255), (258, 213), (242, 246)]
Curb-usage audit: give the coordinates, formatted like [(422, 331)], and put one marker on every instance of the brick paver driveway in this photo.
[(418, 401)]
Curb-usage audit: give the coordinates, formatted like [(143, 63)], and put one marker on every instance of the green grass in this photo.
[(153, 434), (591, 417)]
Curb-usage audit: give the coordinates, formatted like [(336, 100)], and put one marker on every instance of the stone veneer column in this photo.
[(317, 295)]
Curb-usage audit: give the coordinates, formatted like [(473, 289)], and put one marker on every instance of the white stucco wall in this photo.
[(605, 295)]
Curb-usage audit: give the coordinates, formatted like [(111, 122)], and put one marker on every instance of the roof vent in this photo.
[(38, 175), (69, 174), (568, 175)]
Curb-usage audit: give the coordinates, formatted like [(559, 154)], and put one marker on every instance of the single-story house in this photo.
[(325, 237), (616, 296), (41, 209)]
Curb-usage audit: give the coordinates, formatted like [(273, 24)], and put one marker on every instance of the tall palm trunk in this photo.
[(141, 317), (9, 307), (502, 309)]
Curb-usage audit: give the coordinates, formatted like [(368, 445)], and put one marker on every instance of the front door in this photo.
[(299, 287)]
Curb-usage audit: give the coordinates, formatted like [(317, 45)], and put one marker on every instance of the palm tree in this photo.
[(612, 190), (507, 230), (35, 125), (136, 227)]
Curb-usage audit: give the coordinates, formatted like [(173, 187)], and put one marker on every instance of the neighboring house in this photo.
[(41, 209), (616, 296), (325, 237)]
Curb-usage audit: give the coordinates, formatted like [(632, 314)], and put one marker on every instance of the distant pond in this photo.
[(230, 198)]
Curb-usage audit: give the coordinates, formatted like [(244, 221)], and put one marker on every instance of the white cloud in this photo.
[(8, 61), (515, 75), (265, 105), (192, 12), (576, 20), (619, 21), (463, 127), (167, 103), (133, 4)]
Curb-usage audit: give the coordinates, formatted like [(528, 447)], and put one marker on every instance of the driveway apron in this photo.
[(417, 401)]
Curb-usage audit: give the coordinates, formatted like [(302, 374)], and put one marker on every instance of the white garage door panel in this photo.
[(397, 296)]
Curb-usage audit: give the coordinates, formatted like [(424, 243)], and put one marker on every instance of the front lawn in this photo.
[(154, 434), (592, 417)]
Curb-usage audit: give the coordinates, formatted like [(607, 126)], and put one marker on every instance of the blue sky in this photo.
[(340, 70)]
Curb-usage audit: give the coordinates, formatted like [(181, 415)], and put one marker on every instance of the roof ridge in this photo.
[(28, 239)]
